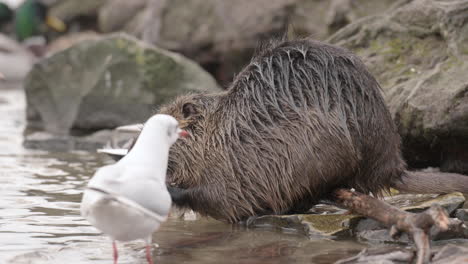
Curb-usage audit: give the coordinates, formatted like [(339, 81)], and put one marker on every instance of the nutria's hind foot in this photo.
[(178, 195), (417, 226)]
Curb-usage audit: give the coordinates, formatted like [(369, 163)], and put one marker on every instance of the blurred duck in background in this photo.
[(6, 14), (32, 19)]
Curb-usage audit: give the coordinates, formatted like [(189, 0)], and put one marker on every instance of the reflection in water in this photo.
[(40, 220)]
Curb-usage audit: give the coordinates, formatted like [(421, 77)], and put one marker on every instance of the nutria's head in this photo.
[(191, 111)]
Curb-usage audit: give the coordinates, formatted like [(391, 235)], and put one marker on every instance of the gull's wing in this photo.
[(130, 186), (128, 204), (114, 153)]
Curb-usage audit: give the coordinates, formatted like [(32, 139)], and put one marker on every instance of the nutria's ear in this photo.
[(189, 109)]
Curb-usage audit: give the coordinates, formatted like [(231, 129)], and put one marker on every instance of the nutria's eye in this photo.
[(189, 109)]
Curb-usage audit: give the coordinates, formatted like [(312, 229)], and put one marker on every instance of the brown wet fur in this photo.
[(302, 119)]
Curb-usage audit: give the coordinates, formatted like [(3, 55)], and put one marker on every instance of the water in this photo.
[(40, 220)]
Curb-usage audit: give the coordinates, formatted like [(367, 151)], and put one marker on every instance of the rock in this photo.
[(343, 12), (448, 254), (451, 254), (51, 142), (419, 52), (462, 214), (118, 14), (66, 41), (67, 10), (327, 209), (380, 255), (309, 224), (105, 83), (222, 35)]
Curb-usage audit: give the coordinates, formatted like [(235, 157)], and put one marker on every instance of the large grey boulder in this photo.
[(419, 54), (107, 82)]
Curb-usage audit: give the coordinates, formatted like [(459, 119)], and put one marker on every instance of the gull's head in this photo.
[(168, 126)]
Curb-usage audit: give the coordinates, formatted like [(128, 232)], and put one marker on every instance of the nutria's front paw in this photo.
[(179, 196)]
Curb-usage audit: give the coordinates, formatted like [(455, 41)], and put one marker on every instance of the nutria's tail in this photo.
[(432, 182)]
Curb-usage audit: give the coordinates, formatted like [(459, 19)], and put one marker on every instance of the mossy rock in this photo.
[(418, 54), (107, 82)]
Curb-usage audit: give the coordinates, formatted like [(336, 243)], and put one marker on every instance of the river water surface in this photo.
[(40, 220)]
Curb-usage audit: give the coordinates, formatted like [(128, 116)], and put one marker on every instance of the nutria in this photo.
[(302, 119)]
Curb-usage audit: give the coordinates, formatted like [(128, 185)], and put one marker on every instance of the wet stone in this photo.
[(446, 253), (451, 254), (382, 255), (462, 214), (47, 141), (104, 83), (51, 142)]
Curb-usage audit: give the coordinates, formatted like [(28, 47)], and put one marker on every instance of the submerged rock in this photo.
[(419, 53), (220, 35), (104, 83), (384, 255), (47, 141)]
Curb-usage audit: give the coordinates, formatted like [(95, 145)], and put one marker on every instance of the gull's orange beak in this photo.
[(183, 133)]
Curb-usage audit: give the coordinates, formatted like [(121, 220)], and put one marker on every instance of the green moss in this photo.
[(452, 62), (163, 71), (328, 224), (464, 50)]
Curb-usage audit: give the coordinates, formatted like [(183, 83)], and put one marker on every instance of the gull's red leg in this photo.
[(116, 254), (149, 256)]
